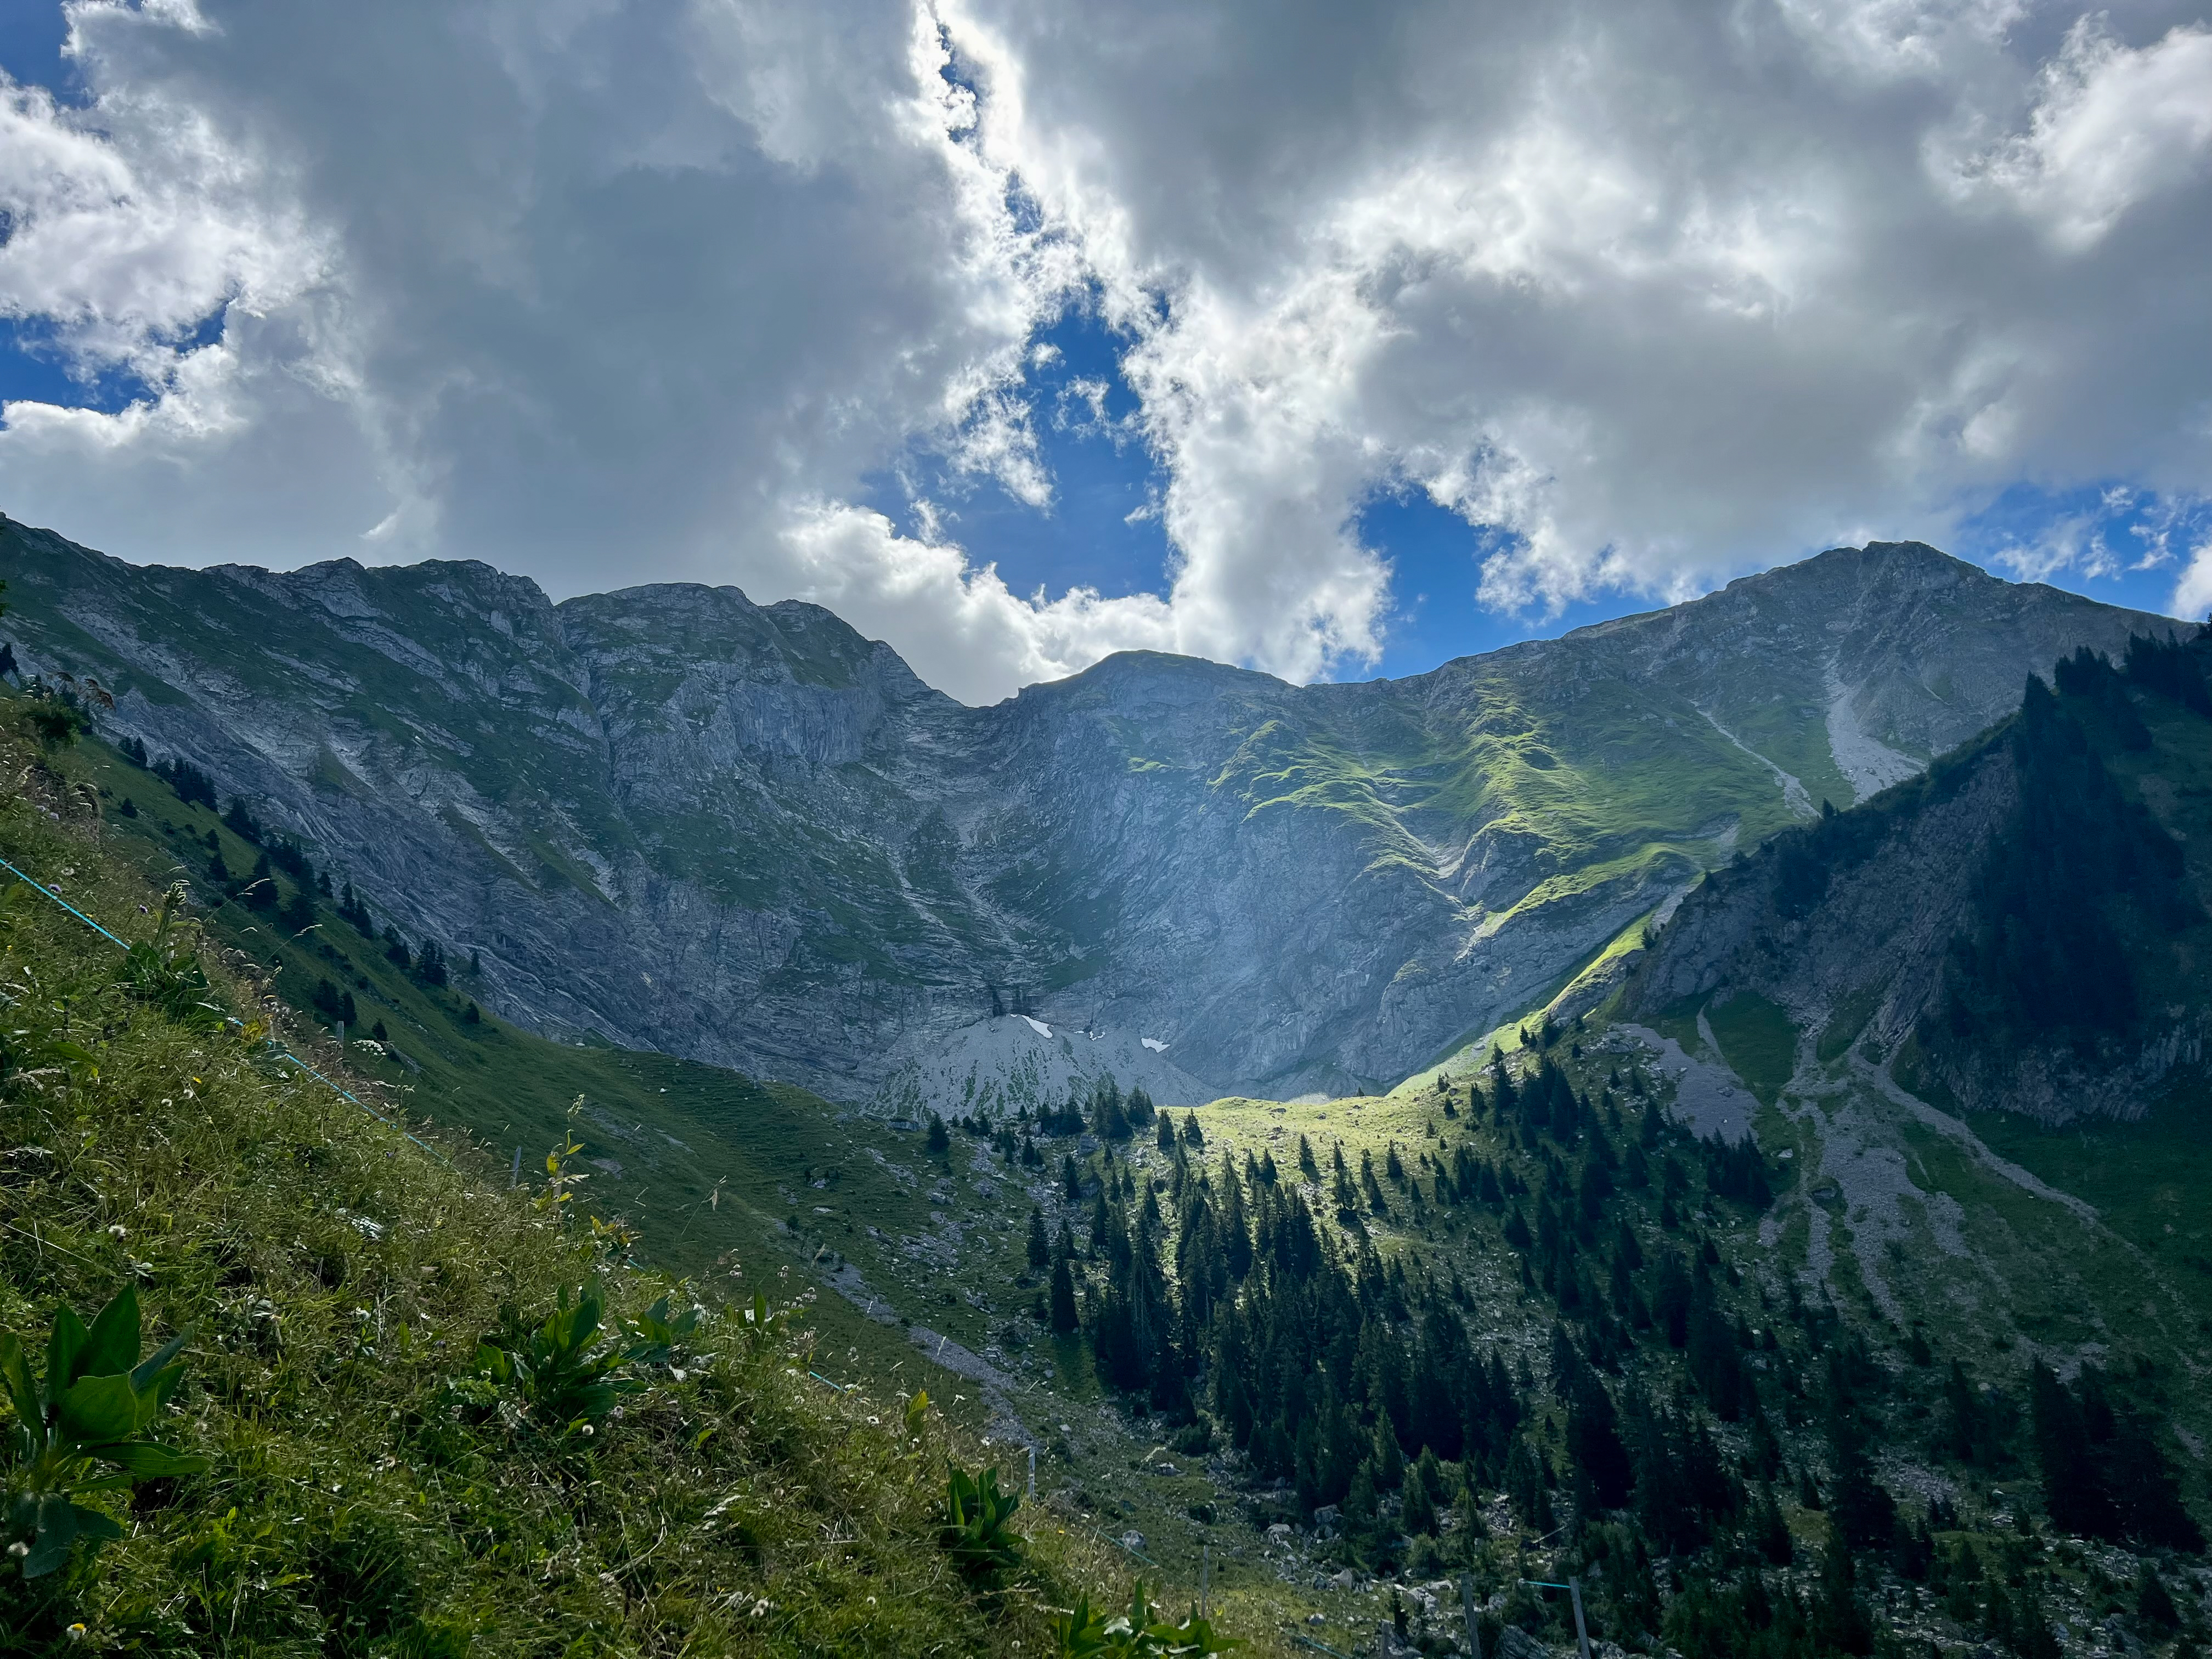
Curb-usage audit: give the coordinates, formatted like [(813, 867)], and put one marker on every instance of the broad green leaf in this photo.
[(61, 1351), (56, 1534), (16, 1372), (113, 1345), (147, 1460), (99, 1409), (92, 1524), (143, 1373), (151, 1400)]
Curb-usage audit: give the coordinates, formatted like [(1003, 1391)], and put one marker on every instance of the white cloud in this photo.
[(2192, 594), (2111, 127), (959, 627), (604, 291)]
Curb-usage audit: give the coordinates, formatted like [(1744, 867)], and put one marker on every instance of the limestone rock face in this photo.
[(745, 834)]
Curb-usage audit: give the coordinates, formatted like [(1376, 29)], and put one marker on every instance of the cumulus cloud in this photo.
[(2111, 126), (606, 292)]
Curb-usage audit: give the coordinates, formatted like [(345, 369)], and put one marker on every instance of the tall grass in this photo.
[(371, 1487)]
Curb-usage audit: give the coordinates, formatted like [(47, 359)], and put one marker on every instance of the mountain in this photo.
[(1715, 1288), (744, 835), (2023, 927), (416, 1412)]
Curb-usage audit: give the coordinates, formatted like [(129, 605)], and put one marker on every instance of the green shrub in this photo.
[(565, 1377), (1140, 1633), (977, 1532), (91, 1410), (164, 972), (656, 1337)]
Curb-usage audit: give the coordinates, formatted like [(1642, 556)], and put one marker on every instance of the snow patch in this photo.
[(1038, 1026), (1154, 1044)]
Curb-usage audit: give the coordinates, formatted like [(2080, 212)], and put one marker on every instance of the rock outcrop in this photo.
[(745, 834)]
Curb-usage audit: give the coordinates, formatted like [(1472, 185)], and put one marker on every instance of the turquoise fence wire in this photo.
[(274, 1047)]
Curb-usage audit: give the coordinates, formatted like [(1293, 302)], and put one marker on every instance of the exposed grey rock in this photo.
[(745, 834)]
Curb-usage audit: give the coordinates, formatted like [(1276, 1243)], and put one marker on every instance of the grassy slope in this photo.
[(705, 1161), (2147, 1180), (338, 1278)]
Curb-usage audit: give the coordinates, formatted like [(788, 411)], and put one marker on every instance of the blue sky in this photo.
[(1644, 306), (1102, 528)]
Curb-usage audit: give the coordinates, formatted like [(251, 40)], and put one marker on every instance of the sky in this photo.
[(1332, 341)]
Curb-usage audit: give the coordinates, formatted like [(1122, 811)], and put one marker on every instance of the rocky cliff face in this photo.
[(2023, 927), (1867, 958), (745, 834)]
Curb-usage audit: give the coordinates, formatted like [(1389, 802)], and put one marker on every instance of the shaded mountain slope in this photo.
[(2021, 927), (744, 835)]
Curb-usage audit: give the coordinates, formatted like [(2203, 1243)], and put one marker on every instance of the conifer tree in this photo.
[(1040, 1250), (1419, 1515), (1959, 1432), (1839, 1618), (298, 913), (1108, 1121), (1234, 1228), (1064, 1319), (2071, 1490), (1165, 1136), (1524, 1486), (1861, 1511), (1389, 1458)]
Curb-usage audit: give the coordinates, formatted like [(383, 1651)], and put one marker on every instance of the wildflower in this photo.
[(75, 1632), (117, 1231)]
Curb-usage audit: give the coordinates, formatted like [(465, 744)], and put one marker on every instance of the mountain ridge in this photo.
[(744, 834)]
